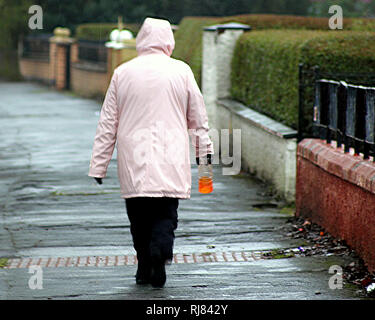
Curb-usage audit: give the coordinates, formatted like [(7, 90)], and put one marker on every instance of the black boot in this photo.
[(158, 275), (143, 275)]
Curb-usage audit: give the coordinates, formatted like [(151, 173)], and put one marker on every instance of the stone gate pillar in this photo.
[(218, 45), (60, 57)]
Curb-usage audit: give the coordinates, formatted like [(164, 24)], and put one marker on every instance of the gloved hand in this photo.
[(98, 180), (208, 159)]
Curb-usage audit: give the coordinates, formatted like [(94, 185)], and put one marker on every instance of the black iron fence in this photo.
[(345, 113), (92, 51), (36, 46), (337, 106)]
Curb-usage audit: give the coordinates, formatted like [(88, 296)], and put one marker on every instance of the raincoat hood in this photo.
[(155, 36)]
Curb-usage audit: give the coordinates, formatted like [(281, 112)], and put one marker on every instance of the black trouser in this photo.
[(152, 225)]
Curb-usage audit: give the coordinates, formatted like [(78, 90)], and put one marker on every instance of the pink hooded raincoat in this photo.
[(151, 106)]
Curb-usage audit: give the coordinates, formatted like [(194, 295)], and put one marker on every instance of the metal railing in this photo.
[(92, 51), (345, 113), (36, 46), (308, 77)]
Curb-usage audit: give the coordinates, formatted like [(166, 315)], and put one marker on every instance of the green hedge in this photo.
[(269, 21), (189, 35), (188, 39), (13, 23), (100, 31), (9, 68), (265, 66)]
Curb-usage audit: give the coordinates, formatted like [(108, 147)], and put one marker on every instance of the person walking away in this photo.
[(152, 105)]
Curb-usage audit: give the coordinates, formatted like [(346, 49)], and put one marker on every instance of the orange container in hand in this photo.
[(205, 185), (205, 178)]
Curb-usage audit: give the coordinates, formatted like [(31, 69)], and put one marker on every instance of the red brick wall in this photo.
[(61, 52), (35, 70), (74, 53), (52, 58), (88, 83), (53, 70), (337, 191), (85, 79)]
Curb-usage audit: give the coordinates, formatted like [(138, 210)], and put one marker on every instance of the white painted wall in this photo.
[(209, 77)]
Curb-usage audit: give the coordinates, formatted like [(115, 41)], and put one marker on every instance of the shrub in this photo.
[(265, 66), (188, 39), (9, 68), (13, 15), (189, 35), (269, 21), (100, 31)]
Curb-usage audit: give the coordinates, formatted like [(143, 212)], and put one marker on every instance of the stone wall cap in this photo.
[(62, 35), (62, 32), (259, 120), (90, 66), (228, 26), (62, 40)]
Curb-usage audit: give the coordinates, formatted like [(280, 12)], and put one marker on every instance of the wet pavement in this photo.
[(55, 216)]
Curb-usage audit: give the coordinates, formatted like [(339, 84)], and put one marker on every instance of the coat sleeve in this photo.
[(197, 120), (106, 133)]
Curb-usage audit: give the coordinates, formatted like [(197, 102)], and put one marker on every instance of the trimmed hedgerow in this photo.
[(188, 39), (269, 21), (189, 35), (100, 31), (265, 66)]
